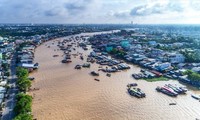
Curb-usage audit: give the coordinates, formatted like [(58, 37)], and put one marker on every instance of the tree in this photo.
[(22, 72), (24, 84), (22, 95), (23, 104), (192, 75), (23, 117), (188, 72)]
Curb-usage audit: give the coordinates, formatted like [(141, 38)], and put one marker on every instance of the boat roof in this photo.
[(27, 65)]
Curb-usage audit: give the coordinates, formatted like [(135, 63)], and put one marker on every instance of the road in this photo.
[(8, 112)]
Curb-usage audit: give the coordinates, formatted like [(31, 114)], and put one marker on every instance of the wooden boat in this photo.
[(77, 67), (132, 85), (94, 73), (55, 55), (172, 103), (109, 75), (96, 79), (196, 96)]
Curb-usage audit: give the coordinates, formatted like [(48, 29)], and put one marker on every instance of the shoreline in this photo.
[(66, 93)]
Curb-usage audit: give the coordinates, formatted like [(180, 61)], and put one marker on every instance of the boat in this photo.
[(184, 89), (169, 90), (172, 103), (196, 96), (94, 73), (81, 57), (176, 89), (132, 85), (166, 91), (66, 61), (136, 92), (108, 74), (141, 92), (55, 55), (31, 78), (86, 65), (77, 67), (96, 79)]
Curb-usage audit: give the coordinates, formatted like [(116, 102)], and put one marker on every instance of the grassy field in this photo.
[(156, 79)]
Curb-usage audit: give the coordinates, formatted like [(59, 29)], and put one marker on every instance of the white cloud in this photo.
[(100, 11)]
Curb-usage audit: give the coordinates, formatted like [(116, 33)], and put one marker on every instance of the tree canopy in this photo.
[(23, 107), (192, 75)]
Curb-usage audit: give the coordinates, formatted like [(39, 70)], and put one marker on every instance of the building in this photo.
[(163, 66), (152, 43), (176, 58)]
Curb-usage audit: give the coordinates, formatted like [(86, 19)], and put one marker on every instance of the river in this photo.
[(69, 94)]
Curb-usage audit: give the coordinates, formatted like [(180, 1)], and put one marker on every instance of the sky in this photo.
[(100, 11)]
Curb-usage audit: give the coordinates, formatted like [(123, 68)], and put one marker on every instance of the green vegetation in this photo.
[(118, 53), (21, 73), (156, 79), (191, 56), (23, 107), (192, 75), (23, 82), (24, 102), (23, 117)]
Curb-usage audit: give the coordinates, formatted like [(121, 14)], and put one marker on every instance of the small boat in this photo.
[(132, 85), (196, 96), (81, 57), (96, 79), (55, 55), (172, 103), (108, 74), (66, 61), (77, 67), (31, 78), (86, 65), (94, 73)]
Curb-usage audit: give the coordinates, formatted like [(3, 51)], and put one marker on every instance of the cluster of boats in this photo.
[(171, 90), (101, 59), (133, 91), (91, 60), (85, 65)]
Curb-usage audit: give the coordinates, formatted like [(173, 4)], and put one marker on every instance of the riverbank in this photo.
[(66, 93)]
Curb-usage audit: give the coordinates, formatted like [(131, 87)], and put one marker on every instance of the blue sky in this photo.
[(100, 11)]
